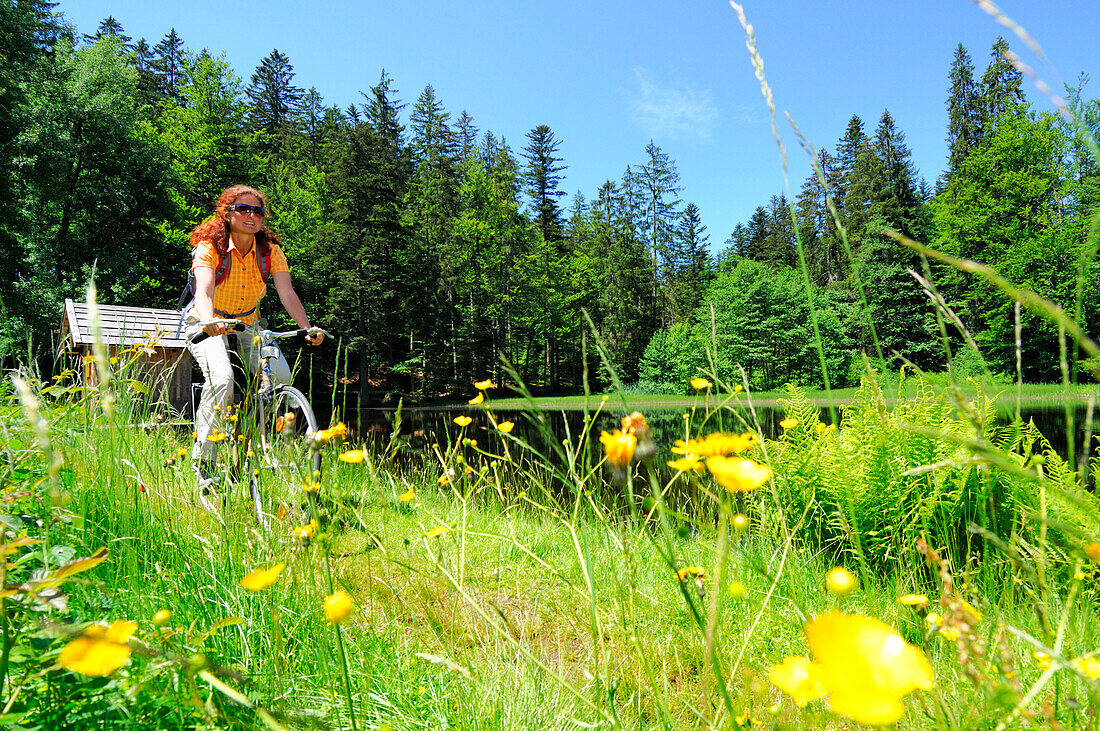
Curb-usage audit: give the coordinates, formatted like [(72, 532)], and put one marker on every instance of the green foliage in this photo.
[(891, 476), (672, 358), (761, 323), (1007, 209)]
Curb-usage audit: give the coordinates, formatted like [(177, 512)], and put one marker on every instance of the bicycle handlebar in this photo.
[(233, 325)]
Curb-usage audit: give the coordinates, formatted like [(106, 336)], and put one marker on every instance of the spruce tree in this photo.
[(840, 173), (690, 268), (896, 200), (628, 309), (964, 116), (170, 65), (1002, 86), (778, 246), (756, 235), (366, 255), (149, 83), (313, 120), (109, 27), (274, 98), (659, 182), (859, 167), (433, 206), (467, 133), (542, 176)]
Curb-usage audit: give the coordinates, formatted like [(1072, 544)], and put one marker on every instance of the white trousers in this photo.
[(212, 355)]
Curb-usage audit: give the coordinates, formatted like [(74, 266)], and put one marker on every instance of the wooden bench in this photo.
[(148, 336)]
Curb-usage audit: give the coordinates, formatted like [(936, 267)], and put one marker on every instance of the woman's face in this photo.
[(245, 222)]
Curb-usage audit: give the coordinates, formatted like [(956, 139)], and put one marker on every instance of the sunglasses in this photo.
[(245, 208)]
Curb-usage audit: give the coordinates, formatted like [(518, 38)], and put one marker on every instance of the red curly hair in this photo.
[(215, 229)]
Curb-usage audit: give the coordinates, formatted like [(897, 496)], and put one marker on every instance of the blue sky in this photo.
[(610, 76)]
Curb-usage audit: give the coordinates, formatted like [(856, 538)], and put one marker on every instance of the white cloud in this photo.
[(672, 112)]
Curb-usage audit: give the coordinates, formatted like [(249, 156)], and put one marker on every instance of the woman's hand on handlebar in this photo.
[(316, 337), (215, 329)]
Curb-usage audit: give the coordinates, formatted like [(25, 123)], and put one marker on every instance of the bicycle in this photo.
[(277, 441)]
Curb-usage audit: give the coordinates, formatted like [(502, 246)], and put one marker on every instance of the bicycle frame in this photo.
[(276, 451)]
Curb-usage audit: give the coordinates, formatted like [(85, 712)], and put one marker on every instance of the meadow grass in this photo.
[(522, 592)]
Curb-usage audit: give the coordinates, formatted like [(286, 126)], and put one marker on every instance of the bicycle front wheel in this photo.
[(286, 464)]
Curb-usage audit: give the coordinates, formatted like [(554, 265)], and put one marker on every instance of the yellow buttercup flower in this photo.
[(738, 388), (333, 432), (100, 650), (407, 496), (699, 383), (740, 522), (1092, 550), (635, 425), (913, 600), (970, 611), (686, 463), (463, 421), (799, 678), (338, 607), (690, 572), (483, 385), (1043, 660), (840, 581), (354, 456), (162, 617), (715, 444), (738, 475), (439, 530), (304, 533), (789, 423), (866, 667), (215, 435), (619, 446), (697, 573), (313, 486), (477, 399), (506, 427), (262, 578), (1088, 666)]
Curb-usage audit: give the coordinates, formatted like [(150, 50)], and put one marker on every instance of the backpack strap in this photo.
[(225, 265), (264, 261)]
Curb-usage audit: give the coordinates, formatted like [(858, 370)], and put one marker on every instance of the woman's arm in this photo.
[(204, 300), (293, 305)]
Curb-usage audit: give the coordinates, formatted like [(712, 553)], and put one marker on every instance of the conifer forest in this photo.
[(435, 250)]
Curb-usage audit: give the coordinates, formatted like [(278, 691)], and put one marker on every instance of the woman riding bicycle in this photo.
[(233, 253)]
